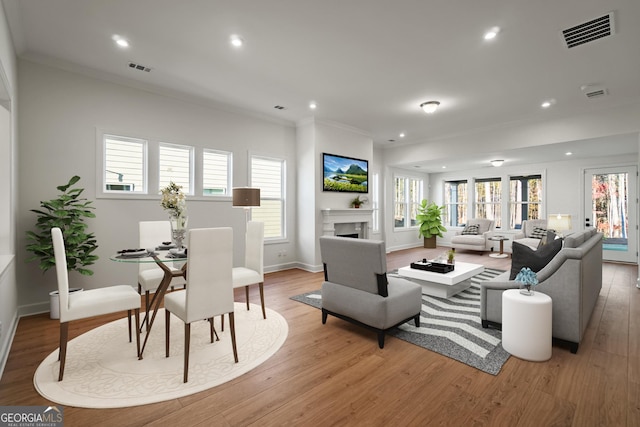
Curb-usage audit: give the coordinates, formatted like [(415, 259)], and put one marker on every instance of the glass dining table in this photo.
[(162, 259)]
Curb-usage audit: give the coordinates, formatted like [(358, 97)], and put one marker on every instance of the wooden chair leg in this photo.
[(261, 287), (129, 323), (137, 313), (232, 325), (222, 323), (147, 307), (187, 341), (167, 317), (211, 328), (246, 292), (62, 355)]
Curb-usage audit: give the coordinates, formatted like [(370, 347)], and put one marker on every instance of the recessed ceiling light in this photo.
[(402, 135), (568, 153), (120, 41), (444, 167), (236, 40), (313, 105), (492, 33), (430, 107), (548, 103)]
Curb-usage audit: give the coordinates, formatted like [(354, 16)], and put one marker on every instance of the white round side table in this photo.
[(526, 325)]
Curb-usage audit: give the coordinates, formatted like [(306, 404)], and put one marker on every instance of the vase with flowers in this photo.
[(175, 203), (527, 279)]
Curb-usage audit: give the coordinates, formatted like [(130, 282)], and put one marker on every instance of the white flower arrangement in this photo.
[(174, 200)]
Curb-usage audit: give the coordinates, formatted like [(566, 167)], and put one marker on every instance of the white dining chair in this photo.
[(210, 290), (253, 270), (150, 235), (88, 303)]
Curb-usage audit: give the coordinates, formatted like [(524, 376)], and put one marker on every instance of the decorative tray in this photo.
[(432, 266)]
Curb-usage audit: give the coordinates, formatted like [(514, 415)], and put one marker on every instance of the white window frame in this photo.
[(188, 190), (375, 203), (229, 181), (498, 203), (407, 202), (283, 192), (102, 166), (449, 206)]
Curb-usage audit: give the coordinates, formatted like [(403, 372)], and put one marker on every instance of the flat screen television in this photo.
[(345, 174)]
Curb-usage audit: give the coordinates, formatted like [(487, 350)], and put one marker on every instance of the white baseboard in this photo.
[(9, 332)]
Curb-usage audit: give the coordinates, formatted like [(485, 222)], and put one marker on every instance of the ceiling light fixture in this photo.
[(497, 163), (120, 41), (402, 135), (548, 103), (430, 107), (492, 33), (568, 153), (313, 105), (236, 40)]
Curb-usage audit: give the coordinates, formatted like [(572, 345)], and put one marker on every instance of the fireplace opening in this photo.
[(352, 235)]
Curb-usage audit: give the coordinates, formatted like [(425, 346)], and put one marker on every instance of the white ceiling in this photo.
[(367, 63)]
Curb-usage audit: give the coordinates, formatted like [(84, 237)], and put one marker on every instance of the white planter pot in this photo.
[(54, 302)]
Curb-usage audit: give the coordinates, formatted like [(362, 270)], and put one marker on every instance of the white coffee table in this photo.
[(447, 284)]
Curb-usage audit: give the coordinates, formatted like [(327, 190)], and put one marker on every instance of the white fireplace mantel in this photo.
[(360, 218)]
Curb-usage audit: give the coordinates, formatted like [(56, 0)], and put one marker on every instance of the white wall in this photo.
[(8, 100), (60, 114)]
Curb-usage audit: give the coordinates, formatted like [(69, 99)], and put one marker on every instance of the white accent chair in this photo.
[(210, 290), (151, 234), (253, 271), (527, 228), (475, 242), (88, 303)]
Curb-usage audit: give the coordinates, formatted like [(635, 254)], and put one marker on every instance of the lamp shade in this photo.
[(246, 197), (559, 222)]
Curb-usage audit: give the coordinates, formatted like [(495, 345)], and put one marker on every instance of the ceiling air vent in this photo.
[(589, 31), (139, 67), (594, 91)]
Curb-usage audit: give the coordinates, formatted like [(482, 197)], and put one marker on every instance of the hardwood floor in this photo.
[(335, 374)]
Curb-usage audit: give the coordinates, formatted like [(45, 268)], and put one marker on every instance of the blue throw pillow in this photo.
[(536, 260)]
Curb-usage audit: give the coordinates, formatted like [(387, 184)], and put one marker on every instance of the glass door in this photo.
[(610, 207)]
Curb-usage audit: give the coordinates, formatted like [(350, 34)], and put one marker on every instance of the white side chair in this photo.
[(89, 303), (253, 271), (210, 290), (151, 234)]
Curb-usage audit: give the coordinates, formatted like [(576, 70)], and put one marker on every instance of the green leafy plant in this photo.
[(357, 202), (68, 212), (429, 220)]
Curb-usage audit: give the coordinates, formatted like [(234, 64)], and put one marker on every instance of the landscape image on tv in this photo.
[(345, 174)]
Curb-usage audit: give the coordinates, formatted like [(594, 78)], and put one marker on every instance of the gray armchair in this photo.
[(357, 289), (525, 236)]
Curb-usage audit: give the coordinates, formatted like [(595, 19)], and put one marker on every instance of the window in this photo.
[(216, 173), (124, 164), (455, 203), (176, 165), (374, 204), (525, 199), (408, 194), (488, 199), (268, 175)]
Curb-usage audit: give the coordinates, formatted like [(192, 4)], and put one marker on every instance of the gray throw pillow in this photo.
[(470, 229), (550, 237), (536, 260)]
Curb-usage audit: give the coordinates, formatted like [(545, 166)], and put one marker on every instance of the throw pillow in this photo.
[(549, 237), (470, 229), (538, 233), (536, 260)]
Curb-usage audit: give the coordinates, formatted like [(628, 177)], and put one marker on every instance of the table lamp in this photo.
[(245, 197), (559, 223)]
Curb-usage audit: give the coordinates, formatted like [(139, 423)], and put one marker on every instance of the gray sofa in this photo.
[(573, 279), (357, 289)]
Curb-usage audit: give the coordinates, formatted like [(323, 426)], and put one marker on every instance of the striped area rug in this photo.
[(450, 327)]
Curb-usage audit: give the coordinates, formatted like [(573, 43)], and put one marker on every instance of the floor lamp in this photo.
[(246, 197)]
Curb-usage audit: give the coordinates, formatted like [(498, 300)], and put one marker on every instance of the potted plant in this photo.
[(357, 202), (429, 221), (451, 255), (68, 212)]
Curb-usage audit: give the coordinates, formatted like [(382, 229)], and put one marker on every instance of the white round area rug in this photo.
[(103, 371)]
